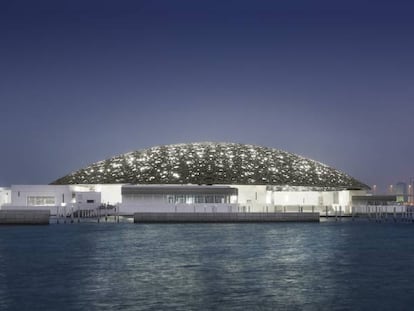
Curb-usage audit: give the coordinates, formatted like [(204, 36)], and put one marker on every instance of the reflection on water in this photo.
[(326, 266)]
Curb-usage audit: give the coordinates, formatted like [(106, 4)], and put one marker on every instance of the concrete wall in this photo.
[(225, 217), (24, 217)]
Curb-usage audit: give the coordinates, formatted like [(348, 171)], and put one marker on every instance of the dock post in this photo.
[(378, 213)]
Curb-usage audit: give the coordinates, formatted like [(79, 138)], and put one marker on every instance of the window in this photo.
[(170, 199), (219, 199), (179, 198), (90, 201), (209, 198), (40, 201), (336, 197), (199, 199)]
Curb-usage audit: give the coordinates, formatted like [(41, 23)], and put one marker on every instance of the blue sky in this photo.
[(81, 81)]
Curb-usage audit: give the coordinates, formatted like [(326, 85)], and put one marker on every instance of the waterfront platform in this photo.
[(224, 217), (24, 217)]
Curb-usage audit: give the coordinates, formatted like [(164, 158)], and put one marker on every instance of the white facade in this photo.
[(5, 196), (247, 198), (265, 198), (250, 198), (61, 195), (52, 197)]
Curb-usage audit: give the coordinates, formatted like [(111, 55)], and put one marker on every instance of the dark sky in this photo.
[(81, 81)]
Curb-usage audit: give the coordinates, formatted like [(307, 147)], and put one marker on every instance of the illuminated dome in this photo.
[(212, 163)]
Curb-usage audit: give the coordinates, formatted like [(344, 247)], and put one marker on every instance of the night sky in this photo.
[(81, 81)]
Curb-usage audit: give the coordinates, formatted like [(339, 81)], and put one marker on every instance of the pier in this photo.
[(116, 214)]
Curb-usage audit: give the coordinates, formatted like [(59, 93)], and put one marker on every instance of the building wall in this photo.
[(258, 198), (21, 194), (54, 195), (5, 196), (110, 194), (130, 208), (302, 198), (251, 196)]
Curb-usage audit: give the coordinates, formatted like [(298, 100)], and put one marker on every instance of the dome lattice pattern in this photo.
[(212, 163)]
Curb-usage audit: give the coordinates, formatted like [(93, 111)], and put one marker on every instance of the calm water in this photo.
[(326, 266)]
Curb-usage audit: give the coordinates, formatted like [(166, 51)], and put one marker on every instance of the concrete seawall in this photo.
[(26, 217), (224, 217)]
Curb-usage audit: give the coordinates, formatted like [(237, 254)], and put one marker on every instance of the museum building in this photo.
[(196, 177)]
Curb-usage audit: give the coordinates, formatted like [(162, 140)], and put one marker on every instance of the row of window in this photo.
[(180, 198), (40, 201)]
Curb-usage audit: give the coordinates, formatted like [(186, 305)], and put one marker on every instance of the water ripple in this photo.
[(326, 266)]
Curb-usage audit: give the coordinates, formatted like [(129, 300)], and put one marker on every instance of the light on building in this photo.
[(268, 197)]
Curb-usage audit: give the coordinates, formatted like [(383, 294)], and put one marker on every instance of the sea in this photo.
[(331, 265)]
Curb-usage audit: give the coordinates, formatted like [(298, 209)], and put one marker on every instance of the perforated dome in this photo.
[(212, 163)]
